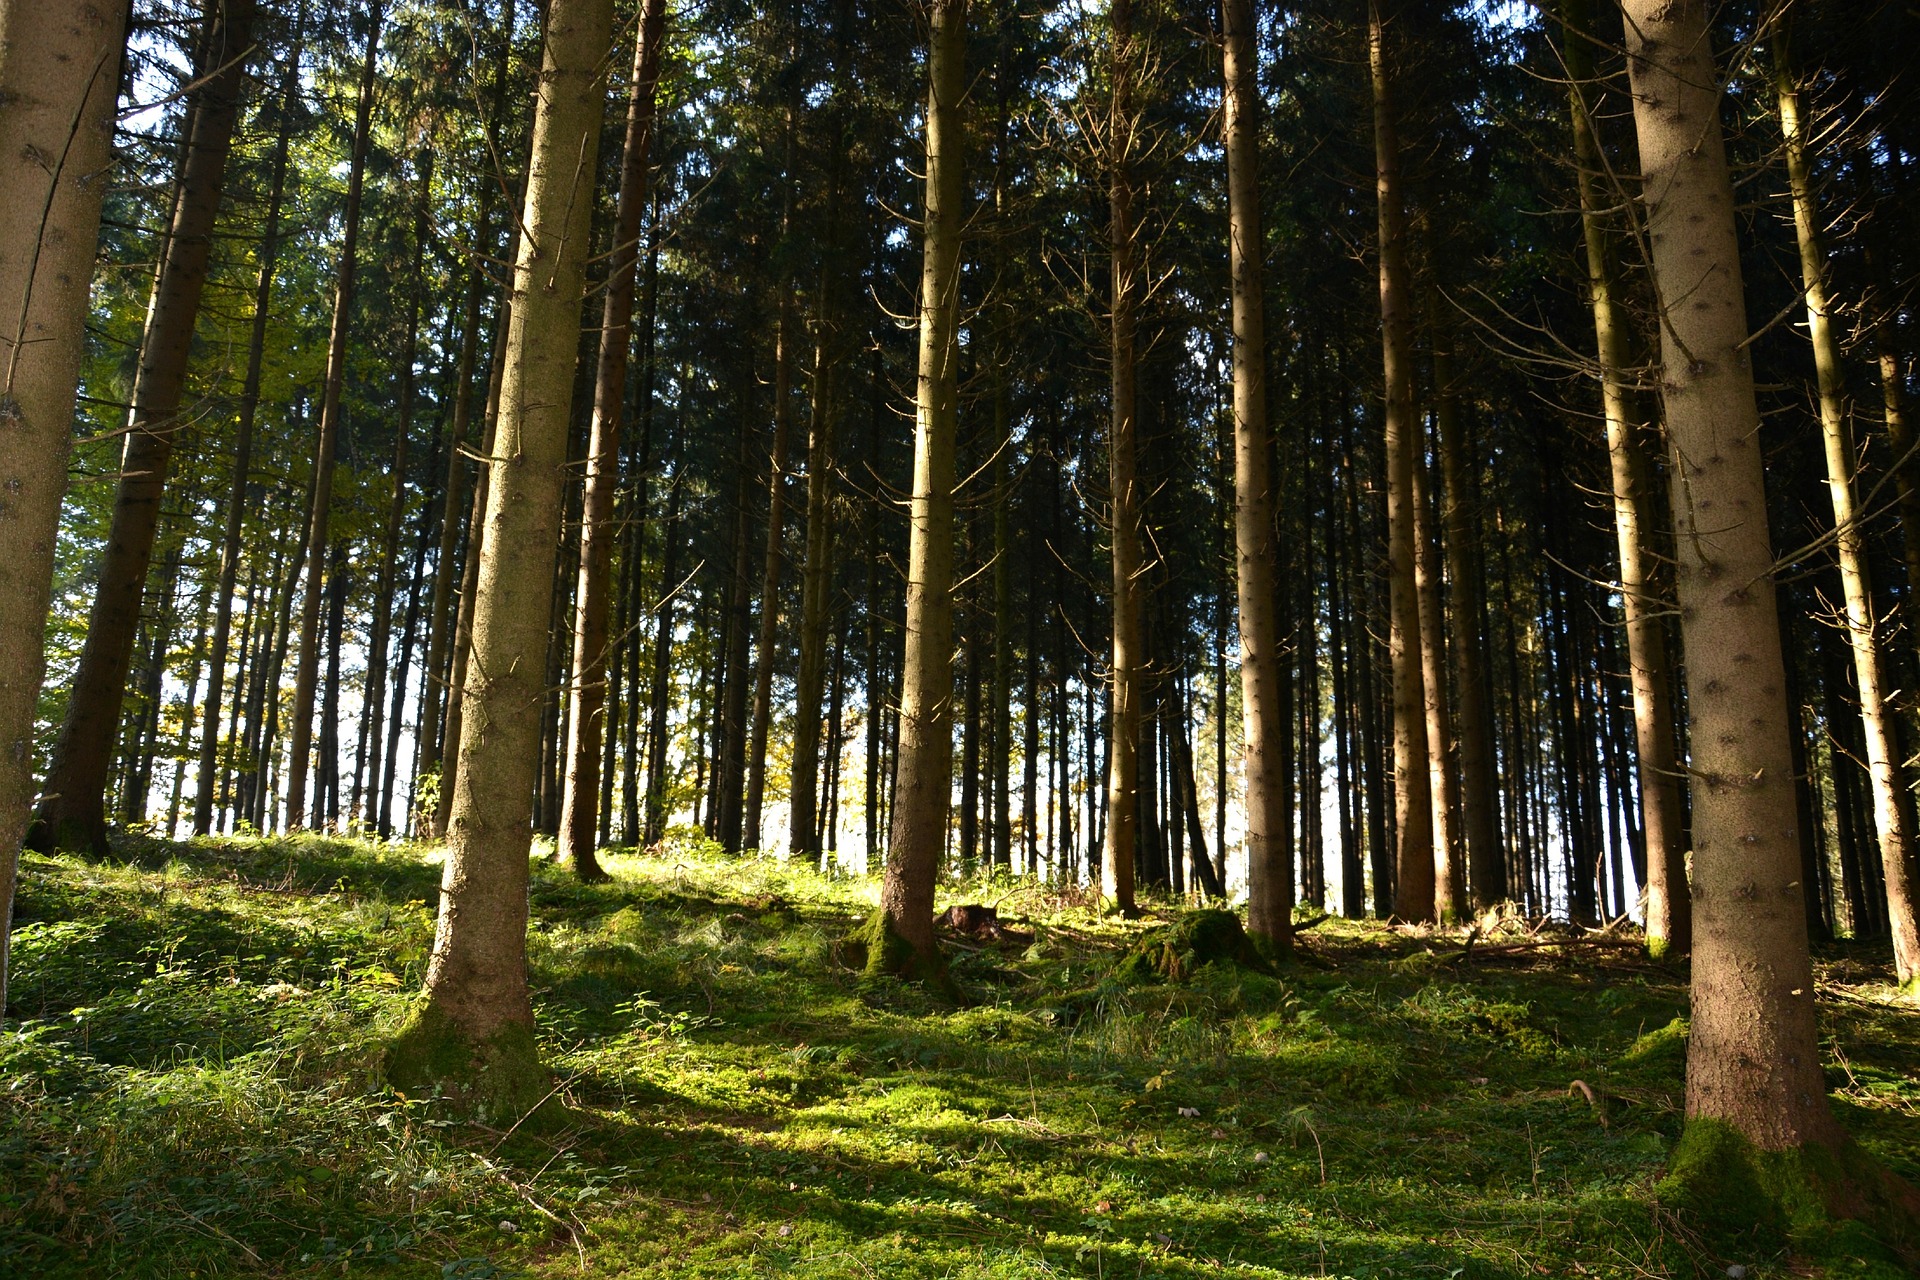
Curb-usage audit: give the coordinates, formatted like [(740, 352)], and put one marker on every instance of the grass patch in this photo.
[(194, 1085)]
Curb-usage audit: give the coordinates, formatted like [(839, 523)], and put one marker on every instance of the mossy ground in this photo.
[(196, 1088)]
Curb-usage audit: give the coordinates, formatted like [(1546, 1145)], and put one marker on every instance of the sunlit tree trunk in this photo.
[(71, 808), (588, 687), (307, 668), (1413, 811), (1667, 924), (903, 937), (1892, 805), (1123, 760), (474, 1028), (59, 75), (1269, 866), (1753, 1060)]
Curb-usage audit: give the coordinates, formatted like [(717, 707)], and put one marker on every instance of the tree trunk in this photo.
[(662, 688), (1892, 805), (1123, 760), (588, 689), (816, 589), (1413, 897), (1449, 866), (728, 810), (375, 696), (243, 448), (1269, 861), (1647, 658), (453, 720), (768, 642), (71, 809), (903, 934), (307, 670), (58, 82), (1753, 1060), (396, 720), (1479, 795), (474, 1028)]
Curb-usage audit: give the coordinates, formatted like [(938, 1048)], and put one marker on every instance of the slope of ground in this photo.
[(193, 1089)]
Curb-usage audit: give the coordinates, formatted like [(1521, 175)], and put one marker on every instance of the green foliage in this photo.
[(199, 1082)]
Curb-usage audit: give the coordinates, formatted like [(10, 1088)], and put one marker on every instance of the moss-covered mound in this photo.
[(1197, 939)]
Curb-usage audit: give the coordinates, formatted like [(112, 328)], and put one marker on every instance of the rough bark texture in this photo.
[(1123, 760), (1667, 923), (1413, 812), (72, 812), (1892, 804), (1269, 868), (307, 669), (1753, 1061), (474, 1026), (588, 689), (58, 80), (922, 788)]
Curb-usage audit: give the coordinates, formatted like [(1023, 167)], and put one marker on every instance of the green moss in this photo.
[(1197, 939), (499, 1080), (1829, 1200), (1660, 1052), (888, 954)]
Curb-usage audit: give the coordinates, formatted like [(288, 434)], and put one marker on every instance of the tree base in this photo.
[(67, 835), (1835, 1200), (499, 1081), (890, 954)]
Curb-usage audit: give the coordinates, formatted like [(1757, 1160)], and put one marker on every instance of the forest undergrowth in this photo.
[(193, 1089)]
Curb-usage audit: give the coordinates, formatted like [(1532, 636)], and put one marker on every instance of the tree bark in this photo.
[(1269, 863), (1667, 925), (58, 84), (1413, 897), (476, 1009), (922, 790), (588, 688), (1892, 804), (1753, 1060), (307, 669), (1123, 759), (71, 811)]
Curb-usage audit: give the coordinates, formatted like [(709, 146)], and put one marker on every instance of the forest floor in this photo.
[(194, 1090)]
